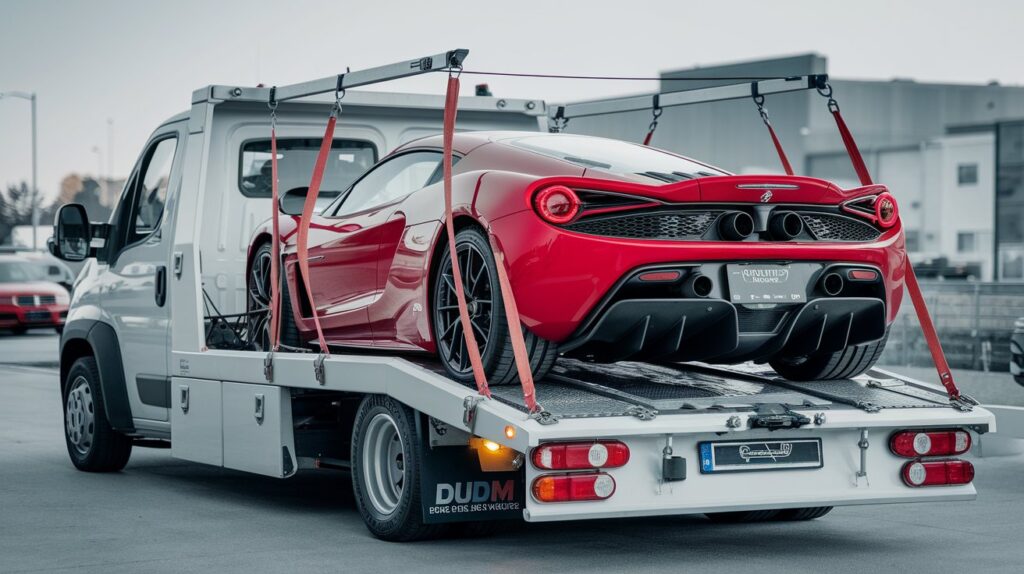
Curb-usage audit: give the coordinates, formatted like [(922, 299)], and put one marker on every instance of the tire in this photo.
[(390, 506), (796, 514), (843, 364), (487, 311), (92, 445), (258, 299), (743, 516)]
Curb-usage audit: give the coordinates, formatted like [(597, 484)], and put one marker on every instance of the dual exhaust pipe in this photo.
[(739, 225)]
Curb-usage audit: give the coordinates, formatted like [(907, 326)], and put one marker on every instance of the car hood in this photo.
[(31, 288)]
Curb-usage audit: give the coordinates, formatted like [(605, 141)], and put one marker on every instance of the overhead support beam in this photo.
[(703, 95), (436, 63)]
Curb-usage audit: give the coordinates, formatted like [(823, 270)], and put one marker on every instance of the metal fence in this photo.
[(974, 321)]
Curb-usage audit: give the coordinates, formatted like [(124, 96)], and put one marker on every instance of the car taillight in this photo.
[(914, 444), (886, 210), (573, 487), (557, 204), (580, 455), (938, 473)]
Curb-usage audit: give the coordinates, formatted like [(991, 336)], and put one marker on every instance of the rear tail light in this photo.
[(580, 455), (862, 275), (886, 210), (557, 204), (914, 444), (573, 487), (938, 473), (880, 209)]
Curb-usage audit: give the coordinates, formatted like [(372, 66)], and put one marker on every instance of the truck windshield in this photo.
[(637, 162), (20, 272), (295, 158)]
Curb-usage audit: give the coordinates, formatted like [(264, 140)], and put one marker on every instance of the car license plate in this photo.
[(775, 454), (769, 283)]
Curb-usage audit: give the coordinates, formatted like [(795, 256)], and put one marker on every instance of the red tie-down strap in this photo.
[(275, 241), (302, 239), (913, 288), (759, 100), (511, 313)]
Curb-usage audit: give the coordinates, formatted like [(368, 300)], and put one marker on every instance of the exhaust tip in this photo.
[(698, 285), (736, 225), (832, 284), (785, 225)]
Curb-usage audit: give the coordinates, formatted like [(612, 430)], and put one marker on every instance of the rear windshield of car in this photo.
[(20, 272), (348, 160), (640, 163)]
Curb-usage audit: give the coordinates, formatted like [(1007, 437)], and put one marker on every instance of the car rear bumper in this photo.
[(15, 316)]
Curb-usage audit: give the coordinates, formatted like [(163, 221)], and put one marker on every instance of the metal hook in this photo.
[(272, 104)]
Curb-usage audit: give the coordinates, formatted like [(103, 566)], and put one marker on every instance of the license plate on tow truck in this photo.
[(745, 456)]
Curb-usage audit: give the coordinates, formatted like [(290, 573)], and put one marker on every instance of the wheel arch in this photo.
[(90, 338), (460, 221)]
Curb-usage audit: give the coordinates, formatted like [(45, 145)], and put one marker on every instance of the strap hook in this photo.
[(826, 91), (339, 93), (272, 104), (656, 111), (558, 121)]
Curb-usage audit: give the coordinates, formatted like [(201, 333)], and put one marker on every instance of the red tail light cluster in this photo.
[(557, 204), (914, 444), (580, 455), (880, 209), (938, 473), (573, 487)]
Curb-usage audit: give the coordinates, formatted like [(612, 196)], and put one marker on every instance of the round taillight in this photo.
[(557, 204), (885, 210)]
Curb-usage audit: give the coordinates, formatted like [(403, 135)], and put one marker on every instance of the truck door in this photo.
[(135, 292)]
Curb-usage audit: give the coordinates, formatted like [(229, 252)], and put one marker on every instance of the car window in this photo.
[(151, 193), (19, 272), (348, 160), (394, 178), (638, 162)]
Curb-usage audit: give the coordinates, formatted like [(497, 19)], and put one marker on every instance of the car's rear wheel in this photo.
[(487, 317), (258, 304), (843, 364)]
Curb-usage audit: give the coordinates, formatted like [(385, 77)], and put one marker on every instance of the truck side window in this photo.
[(151, 192)]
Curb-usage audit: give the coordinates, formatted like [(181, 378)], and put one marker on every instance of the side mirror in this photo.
[(292, 201), (72, 233)]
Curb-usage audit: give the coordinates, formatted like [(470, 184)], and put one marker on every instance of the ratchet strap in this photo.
[(655, 113), (302, 240), (759, 101), (275, 241), (511, 312), (913, 287)]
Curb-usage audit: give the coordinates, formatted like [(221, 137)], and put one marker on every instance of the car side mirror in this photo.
[(292, 202), (72, 233)]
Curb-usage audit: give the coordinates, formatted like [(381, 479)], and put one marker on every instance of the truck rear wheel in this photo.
[(92, 445), (387, 456), (804, 513), (742, 516)]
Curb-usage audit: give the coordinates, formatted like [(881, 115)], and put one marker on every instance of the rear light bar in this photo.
[(938, 473), (557, 204), (573, 487), (914, 444), (580, 455)]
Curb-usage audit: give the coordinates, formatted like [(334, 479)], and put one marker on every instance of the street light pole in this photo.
[(31, 97)]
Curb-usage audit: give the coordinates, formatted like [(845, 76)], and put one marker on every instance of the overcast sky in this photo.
[(137, 62)]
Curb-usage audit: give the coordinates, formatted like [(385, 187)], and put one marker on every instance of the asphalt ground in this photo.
[(164, 515)]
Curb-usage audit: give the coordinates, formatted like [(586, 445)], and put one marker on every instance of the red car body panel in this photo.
[(37, 313), (371, 270)]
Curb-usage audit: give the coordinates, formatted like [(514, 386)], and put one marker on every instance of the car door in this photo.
[(135, 293), (343, 262)]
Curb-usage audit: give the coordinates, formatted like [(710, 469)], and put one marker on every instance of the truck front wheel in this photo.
[(387, 456), (92, 445)]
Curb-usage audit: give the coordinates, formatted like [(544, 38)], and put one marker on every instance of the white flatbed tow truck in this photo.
[(139, 367)]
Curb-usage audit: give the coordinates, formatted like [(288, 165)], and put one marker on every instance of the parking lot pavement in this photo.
[(163, 515), (37, 348)]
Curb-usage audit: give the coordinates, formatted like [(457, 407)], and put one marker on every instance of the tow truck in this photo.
[(150, 358)]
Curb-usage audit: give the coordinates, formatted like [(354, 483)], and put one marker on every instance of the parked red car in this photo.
[(616, 251), (27, 299)]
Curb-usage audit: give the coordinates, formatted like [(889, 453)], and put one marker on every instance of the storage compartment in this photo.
[(258, 435), (196, 430)]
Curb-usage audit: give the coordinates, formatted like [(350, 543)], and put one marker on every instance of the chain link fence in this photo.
[(974, 321)]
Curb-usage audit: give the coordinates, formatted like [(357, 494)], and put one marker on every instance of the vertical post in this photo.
[(35, 187)]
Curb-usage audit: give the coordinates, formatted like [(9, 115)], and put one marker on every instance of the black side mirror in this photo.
[(292, 201), (72, 233)]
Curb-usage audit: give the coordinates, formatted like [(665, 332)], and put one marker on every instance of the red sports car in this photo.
[(615, 251)]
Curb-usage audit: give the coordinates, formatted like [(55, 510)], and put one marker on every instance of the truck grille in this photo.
[(664, 225), (829, 227)]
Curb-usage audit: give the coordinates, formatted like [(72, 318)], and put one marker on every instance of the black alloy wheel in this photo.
[(479, 285)]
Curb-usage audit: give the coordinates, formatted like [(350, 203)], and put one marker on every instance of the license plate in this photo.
[(775, 454), (769, 283)]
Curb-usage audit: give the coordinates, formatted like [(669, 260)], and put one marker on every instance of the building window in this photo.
[(965, 242), (967, 174)]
